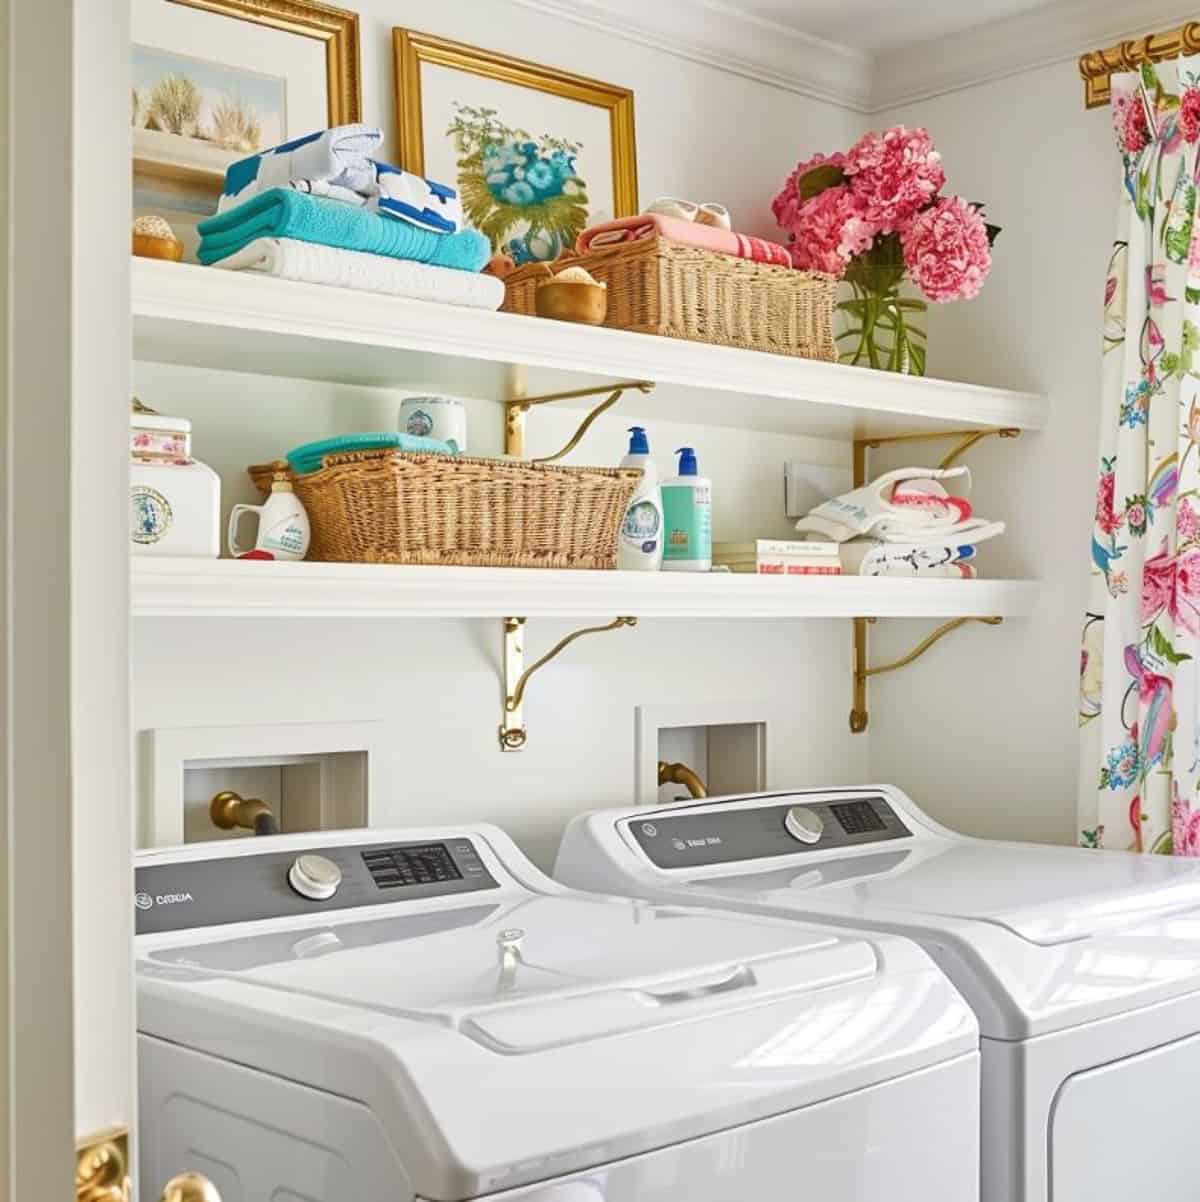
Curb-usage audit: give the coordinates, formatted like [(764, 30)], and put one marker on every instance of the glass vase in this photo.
[(880, 327)]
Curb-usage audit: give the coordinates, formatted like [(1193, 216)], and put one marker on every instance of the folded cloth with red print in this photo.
[(684, 233), (905, 523)]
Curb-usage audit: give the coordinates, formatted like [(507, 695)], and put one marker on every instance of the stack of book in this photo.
[(779, 557)]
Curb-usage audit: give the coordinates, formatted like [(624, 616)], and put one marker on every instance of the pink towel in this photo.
[(686, 233)]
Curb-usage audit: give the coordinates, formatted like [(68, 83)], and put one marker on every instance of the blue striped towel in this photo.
[(310, 456), (337, 164), (282, 213)]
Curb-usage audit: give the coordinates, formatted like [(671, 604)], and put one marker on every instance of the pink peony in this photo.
[(1106, 517), (946, 251), (1187, 523), (1185, 827), (1129, 121), (895, 174), (1172, 583), (1189, 115), (830, 230), (786, 206)]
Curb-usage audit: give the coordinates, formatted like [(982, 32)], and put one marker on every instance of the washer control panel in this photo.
[(183, 894), (694, 838)]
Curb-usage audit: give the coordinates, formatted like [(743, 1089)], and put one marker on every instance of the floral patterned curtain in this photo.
[(1139, 689)]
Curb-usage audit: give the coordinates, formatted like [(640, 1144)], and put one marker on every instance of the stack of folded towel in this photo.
[(905, 523), (320, 209), (686, 225)]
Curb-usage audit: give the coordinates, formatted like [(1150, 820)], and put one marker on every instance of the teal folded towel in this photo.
[(283, 213), (307, 458)]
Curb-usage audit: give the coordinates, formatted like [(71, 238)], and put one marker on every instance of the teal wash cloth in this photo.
[(283, 213), (307, 458)]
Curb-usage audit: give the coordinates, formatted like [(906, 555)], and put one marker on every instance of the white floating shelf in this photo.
[(235, 588), (238, 321)]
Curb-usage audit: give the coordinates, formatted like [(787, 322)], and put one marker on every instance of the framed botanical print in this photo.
[(536, 154), (216, 80)]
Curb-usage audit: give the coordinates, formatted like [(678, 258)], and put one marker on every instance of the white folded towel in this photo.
[(312, 263), (945, 557), (908, 505)]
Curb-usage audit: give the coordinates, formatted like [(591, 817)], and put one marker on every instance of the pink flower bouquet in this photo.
[(875, 216)]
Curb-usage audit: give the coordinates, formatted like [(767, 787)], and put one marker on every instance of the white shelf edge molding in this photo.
[(206, 317), (230, 588)]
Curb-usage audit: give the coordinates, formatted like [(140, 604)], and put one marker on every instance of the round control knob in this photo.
[(314, 877), (804, 824)]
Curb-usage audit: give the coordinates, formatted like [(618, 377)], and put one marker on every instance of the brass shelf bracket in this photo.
[(517, 408), (964, 441), (859, 717), (513, 734)]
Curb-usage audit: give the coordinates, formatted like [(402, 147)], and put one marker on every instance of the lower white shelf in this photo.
[(226, 588)]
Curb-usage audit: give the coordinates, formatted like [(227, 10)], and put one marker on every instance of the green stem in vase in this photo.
[(879, 320)]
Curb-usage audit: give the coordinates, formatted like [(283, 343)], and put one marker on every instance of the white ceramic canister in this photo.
[(174, 509), (440, 417)]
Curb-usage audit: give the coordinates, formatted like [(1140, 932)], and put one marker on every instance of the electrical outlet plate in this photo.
[(806, 485)]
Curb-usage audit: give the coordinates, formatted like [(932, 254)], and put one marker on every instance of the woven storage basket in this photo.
[(393, 507), (660, 287)]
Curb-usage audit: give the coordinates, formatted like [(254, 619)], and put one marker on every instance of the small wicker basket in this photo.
[(395, 507), (661, 287)]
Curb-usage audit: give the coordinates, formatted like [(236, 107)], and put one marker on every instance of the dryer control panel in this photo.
[(182, 894), (782, 827)]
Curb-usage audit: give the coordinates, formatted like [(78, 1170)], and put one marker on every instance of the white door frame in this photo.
[(66, 824)]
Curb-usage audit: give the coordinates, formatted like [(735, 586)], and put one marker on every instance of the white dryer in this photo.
[(1083, 967), (376, 1016)]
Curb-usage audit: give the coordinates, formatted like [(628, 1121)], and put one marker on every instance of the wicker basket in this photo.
[(660, 287), (393, 507)]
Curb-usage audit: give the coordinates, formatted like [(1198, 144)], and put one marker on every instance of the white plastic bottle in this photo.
[(283, 528), (640, 543), (687, 518)]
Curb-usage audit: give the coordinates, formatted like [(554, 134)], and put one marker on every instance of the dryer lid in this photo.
[(1045, 895)]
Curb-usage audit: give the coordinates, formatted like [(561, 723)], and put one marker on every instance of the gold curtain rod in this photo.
[(1098, 66)]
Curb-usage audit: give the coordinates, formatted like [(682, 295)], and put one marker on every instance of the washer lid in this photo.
[(504, 1040), (533, 973)]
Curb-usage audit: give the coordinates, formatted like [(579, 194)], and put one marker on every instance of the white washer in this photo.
[(377, 1016), (1083, 967)]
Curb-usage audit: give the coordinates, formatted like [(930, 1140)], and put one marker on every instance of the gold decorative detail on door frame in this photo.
[(102, 1167)]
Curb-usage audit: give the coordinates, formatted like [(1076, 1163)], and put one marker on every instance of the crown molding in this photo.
[(722, 36), (1056, 33)]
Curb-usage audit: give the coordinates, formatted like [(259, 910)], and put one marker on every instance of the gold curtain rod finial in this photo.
[(1098, 66)]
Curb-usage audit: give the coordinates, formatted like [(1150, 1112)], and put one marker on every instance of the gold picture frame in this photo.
[(413, 50), (336, 27)]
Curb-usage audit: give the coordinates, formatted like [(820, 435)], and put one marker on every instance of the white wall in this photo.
[(703, 134), (983, 730)]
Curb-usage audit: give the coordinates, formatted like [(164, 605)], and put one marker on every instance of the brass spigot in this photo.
[(229, 810), (681, 774)]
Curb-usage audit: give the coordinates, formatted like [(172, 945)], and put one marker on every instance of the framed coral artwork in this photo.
[(537, 154), (216, 80)]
